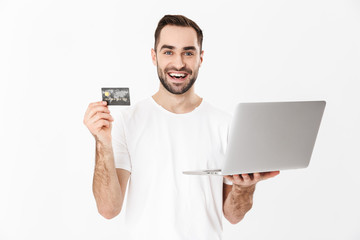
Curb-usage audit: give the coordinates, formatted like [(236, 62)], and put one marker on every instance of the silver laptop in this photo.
[(270, 136)]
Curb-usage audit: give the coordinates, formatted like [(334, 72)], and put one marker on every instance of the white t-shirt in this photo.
[(156, 145)]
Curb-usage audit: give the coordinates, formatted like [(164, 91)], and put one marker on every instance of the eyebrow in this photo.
[(172, 47), (189, 48), (166, 46)]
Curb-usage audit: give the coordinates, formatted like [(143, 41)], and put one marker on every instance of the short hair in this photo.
[(178, 20)]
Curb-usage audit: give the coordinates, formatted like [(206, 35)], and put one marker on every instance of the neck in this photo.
[(177, 103)]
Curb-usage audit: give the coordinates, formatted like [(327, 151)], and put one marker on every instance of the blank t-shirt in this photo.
[(156, 145)]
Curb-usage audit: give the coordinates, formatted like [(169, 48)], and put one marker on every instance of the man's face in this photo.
[(177, 58)]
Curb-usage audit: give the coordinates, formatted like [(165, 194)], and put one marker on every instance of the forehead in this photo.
[(178, 37)]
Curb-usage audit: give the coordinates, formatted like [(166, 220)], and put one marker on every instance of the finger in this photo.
[(229, 177), (94, 122), (95, 110), (257, 177), (94, 104), (98, 103), (237, 178), (99, 115), (102, 123), (246, 177)]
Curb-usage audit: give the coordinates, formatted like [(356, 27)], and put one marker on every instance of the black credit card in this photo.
[(116, 96)]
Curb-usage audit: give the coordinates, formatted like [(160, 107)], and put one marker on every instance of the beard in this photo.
[(169, 86)]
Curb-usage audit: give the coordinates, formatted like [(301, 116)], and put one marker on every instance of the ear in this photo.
[(201, 57), (153, 56)]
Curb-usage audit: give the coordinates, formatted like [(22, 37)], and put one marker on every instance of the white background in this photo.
[(56, 55)]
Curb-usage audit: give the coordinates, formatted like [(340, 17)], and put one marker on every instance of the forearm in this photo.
[(238, 203), (106, 186)]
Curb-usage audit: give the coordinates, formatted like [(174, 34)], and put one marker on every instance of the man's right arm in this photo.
[(109, 183)]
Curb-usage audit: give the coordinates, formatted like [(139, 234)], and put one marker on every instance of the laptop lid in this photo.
[(272, 136)]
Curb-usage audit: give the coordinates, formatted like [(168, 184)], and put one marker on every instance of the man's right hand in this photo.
[(98, 120)]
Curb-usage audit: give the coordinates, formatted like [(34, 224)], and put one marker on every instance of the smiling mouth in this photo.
[(178, 76)]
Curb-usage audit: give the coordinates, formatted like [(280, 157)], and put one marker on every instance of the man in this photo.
[(152, 142)]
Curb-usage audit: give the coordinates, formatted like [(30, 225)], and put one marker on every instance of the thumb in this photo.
[(267, 175)]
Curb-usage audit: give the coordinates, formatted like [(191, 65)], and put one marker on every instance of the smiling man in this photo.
[(152, 142)]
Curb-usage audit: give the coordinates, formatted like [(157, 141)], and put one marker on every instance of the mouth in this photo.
[(177, 76)]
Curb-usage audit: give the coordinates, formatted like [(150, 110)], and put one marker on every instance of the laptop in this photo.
[(270, 136)]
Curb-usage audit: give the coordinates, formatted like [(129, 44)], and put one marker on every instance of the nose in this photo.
[(179, 61)]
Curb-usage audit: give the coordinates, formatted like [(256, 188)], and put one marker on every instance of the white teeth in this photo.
[(177, 74)]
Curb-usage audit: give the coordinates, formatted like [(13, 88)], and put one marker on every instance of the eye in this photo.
[(189, 54), (167, 52)]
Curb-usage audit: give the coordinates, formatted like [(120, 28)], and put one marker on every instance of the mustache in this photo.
[(183, 69)]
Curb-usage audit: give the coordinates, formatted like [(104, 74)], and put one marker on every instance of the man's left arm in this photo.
[(238, 198)]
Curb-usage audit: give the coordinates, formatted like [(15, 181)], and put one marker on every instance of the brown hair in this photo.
[(177, 20)]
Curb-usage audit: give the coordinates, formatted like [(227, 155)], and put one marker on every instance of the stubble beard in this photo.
[(162, 77)]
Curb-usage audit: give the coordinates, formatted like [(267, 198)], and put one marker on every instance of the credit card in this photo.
[(116, 96)]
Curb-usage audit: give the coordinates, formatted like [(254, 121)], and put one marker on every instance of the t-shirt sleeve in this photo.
[(120, 149)]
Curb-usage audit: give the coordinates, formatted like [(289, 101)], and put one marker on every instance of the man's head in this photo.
[(177, 52), (181, 21)]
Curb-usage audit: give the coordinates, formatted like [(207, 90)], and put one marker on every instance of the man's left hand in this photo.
[(249, 180)]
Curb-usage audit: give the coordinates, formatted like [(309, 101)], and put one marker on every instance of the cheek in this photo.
[(162, 64), (195, 64), (196, 61)]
